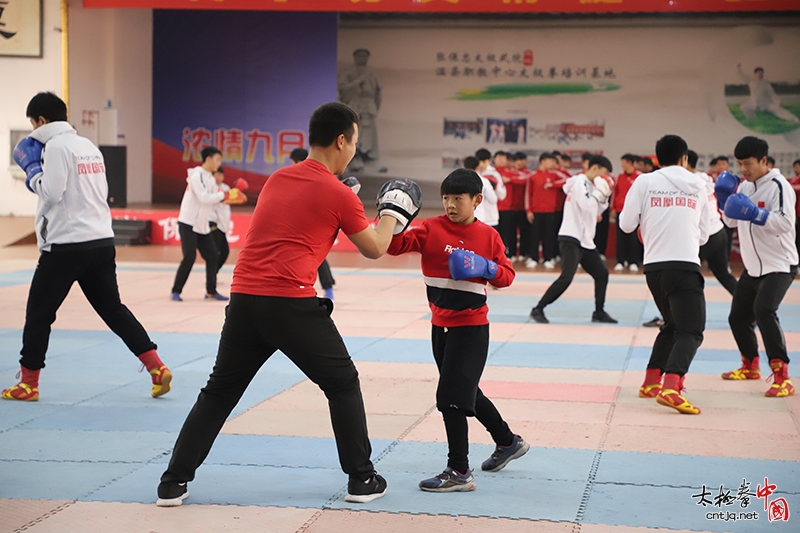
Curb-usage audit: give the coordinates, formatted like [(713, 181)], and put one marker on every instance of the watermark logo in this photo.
[(777, 509)]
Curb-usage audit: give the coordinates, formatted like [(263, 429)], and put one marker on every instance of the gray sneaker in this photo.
[(504, 454), (449, 481)]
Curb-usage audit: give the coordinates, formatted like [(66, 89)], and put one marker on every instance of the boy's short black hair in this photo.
[(298, 154), (47, 105), (758, 69), (770, 160), (586, 156), (713, 162), (520, 155), (692, 157), (483, 154), (601, 161), (630, 158), (669, 150), (546, 155), (723, 158), (751, 147), (209, 151), (330, 120), (462, 181), (219, 171), (500, 152), (511, 156), (796, 162), (471, 162)]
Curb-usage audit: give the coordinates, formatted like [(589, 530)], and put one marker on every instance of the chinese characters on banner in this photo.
[(777, 509), (232, 143), (512, 65)]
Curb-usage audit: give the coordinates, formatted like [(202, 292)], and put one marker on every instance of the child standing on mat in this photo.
[(459, 255)]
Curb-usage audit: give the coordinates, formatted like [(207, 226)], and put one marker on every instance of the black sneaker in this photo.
[(171, 494), (655, 323), (602, 316), (365, 491), (538, 316), (449, 481), (504, 454)]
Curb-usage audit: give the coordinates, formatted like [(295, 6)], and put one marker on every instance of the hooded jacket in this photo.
[(769, 248), (72, 189), (671, 206), (580, 211), (201, 196)]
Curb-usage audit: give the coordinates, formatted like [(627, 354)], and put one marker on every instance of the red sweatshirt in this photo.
[(795, 183), (542, 192), (455, 303), (624, 182), (515, 183), (561, 196)]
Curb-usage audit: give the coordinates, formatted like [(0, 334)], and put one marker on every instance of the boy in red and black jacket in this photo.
[(459, 255)]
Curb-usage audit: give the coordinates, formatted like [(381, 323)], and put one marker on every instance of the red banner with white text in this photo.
[(463, 6)]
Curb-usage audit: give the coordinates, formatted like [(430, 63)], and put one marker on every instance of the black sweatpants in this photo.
[(545, 231), (92, 265), (756, 302), (255, 327), (190, 243), (460, 355), (325, 275), (221, 243), (680, 300), (572, 255), (601, 232), (629, 249), (514, 228), (715, 252)]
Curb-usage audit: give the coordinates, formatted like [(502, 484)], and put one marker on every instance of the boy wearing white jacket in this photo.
[(763, 210), (587, 198)]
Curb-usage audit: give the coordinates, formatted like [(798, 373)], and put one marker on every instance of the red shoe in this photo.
[(159, 373), (781, 384), (749, 370), (652, 383), (670, 395), (27, 390)]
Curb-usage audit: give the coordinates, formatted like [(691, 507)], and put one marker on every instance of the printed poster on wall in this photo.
[(430, 97)]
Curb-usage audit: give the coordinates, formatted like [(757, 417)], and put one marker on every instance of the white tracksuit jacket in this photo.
[(714, 218), (671, 206), (221, 213), (580, 211), (72, 189), (487, 211), (202, 194), (769, 248)]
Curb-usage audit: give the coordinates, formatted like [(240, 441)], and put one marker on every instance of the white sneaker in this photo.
[(633, 268), (530, 263), (519, 259), (619, 267), (549, 265)]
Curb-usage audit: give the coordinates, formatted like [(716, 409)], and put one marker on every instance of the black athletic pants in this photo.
[(756, 301), (255, 327), (325, 275), (572, 255), (601, 232), (715, 252), (190, 243), (545, 231), (92, 265), (680, 300), (629, 249), (460, 355), (513, 224), (221, 243)]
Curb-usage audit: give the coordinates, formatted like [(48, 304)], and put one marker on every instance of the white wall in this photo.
[(111, 59), (20, 79)]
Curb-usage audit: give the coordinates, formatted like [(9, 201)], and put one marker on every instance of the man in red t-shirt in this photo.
[(629, 249), (541, 203), (274, 306), (795, 182)]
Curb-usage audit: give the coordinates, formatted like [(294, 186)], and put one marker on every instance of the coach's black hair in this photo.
[(209, 151), (669, 150), (47, 105), (601, 161), (751, 147), (329, 121), (462, 181)]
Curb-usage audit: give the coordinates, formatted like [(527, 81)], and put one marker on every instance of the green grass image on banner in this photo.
[(766, 122), (521, 90)]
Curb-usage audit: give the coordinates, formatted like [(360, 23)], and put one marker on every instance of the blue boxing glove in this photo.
[(28, 155), (725, 185), (465, 265), (741, 207)]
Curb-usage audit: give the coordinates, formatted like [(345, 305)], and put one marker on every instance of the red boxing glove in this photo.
[(241, 184), (234, 197)]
